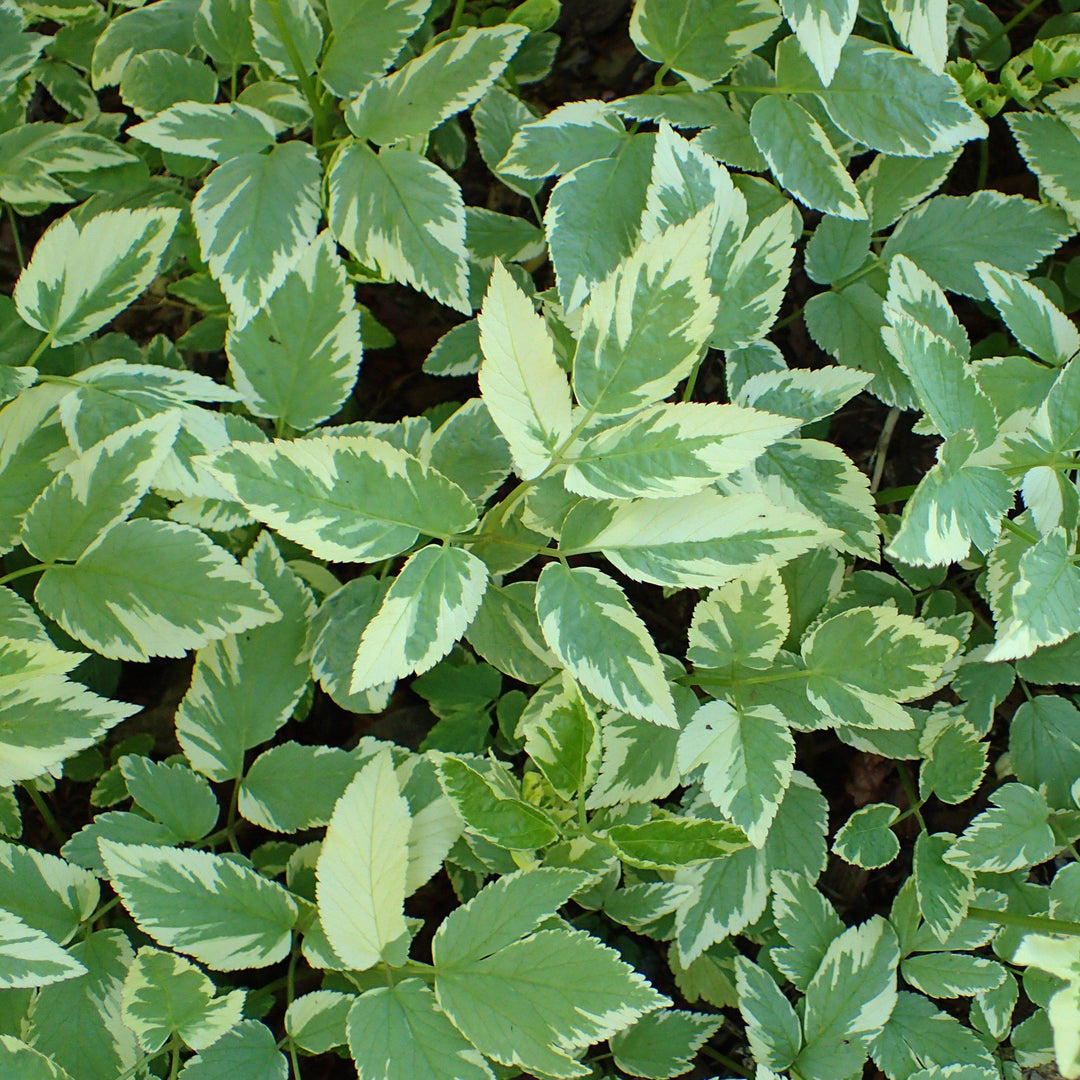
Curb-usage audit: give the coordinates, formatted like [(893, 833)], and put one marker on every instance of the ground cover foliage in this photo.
[(580, 705)]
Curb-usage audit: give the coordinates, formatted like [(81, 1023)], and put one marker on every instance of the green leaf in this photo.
[(1033, 320), (297, 358), (167, 24), (79, 277), (1049, 147), (802, 158), (671, 450), (223, 32), (440, 82), (217, 132), (254, 216), (427, 608), (470, 450), (956, 504), (807, 921), (885, 99), (891, 185), (922, 27), (802, 394), (772, 1026), (748, 756), (822, 29), (522, 385), (159, 78), (950, 974), (286, 32), (497, 118), (702, 41), (316, 1022), (645, 325), (849, 1000), (838, 249), (24, 1061), (1044, 746), (249, 1050), (593, 218), (400, 1033), (589, 625), (1044, 597), (562, 736), (866, 660), (510, 823), (29, 958), (219, 719), (507, 634), (177, 797), (97, 489), (866, 839), (954, 758), (669, 842), (1012, 835), (567, 137), (533, 1002), (947, 235), (362, 866), (344, 498), (164, 994), (208, 906), (400, 213), (662, 1044)]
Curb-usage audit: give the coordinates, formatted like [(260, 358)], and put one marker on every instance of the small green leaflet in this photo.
[(521, 382), (803, 394), (46, 892), (571, 135), (822, 28), (172, 794), (274, 21), (802, 158), (507, 635), (428, 607), (945, 892), (218, 719), (469, 449), (164, 994), (400, 1033), (1033, 320), (1012, 835), (772, 1025), (807, 921), (864, 661), (296, 360), (362, 865), (210, 907), (223, 31), (669, 842), (1044, 746), (954, 758), (248, 1050), (645, 325), (589, 625), (254, 215), (438, 83), (702, 40), (671, 450), (29, 958), (748, 756), (562, 736), (866, 839), (79, 277), (167, 24), (848, 1000), (949, 974), (400, 213), (344, 498), (316, 1021), (152, 588), (662, 1044), (217, 132), (366, 36), (701, 540), (27, 1063)]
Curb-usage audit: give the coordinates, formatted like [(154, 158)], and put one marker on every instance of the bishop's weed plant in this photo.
[(730, 762)]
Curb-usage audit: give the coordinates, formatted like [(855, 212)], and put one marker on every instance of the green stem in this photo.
[(174, 1061), (307, 83), (912, 795), (290, 994), (661, 74), (1015, 529), (723, 1059), (1035, 923), (1015, 21), (455, 19), (984, 163), (42, 345), (705, 678), (895, 494), (37, 568), (691, 382), (13, 221), (46, 814)]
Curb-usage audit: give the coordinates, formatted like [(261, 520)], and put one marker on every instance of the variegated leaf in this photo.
[(521, 381), (571, 135), (29, 958), (590, 626), (646, 325), (1049, 147), (296, 360), (922, 26), (822, 27), (345, 498), (254, 215), (438, 83), (79, 277), (667, 451), (400, 213), (562, 736), (701, 540), (429, 606), (152, 588), (287, 33), (808, 395), (217, 132)]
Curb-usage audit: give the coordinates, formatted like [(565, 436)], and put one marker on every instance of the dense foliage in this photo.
[(604, 718)]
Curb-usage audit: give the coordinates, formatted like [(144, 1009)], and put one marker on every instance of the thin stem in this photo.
[(1015, 21), (307, 84), (290, 994), (661, 73), (882, 449), (13, 221), (723, 1059), (46, 814), (912, 795), (1025, 922), (536, 211), (230, 820), (455, 19), (691, 382), (37, 568), (174, 1062), (1016, 530), (984, 163), (42, 345)]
